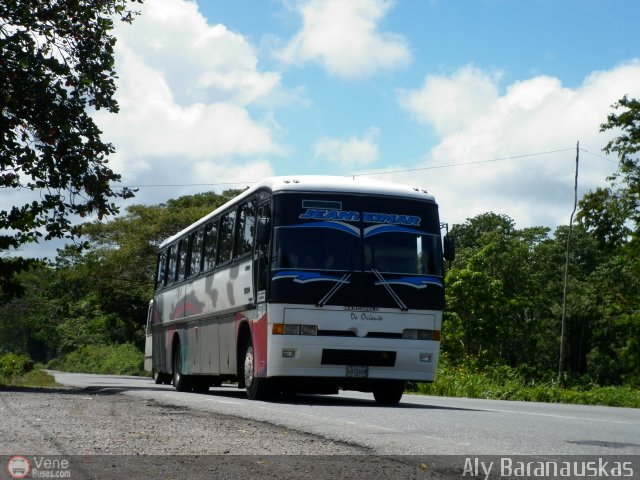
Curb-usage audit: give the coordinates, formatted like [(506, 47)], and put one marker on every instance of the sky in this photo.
[(481, 102)]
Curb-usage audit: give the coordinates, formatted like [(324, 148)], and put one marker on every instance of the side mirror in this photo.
[(449, 248), (263, 233)]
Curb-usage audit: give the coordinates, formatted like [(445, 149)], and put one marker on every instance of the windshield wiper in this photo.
[(334, 289), (393, 294)]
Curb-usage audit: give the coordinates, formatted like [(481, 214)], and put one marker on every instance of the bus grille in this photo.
[(373, 358)]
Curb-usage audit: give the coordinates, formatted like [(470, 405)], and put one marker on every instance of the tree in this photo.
[(496, 297), (612, 214), (609, 211), (56, 66), (98, 295), (107, 287)]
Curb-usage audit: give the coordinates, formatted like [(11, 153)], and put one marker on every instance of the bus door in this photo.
[(148, 342)]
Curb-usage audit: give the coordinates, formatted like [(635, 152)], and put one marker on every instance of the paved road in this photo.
[(420, 425)]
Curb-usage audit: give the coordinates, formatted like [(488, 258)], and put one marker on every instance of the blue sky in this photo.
[(226, 92)]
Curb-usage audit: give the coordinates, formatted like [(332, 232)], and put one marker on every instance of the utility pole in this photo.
[(566, 269)]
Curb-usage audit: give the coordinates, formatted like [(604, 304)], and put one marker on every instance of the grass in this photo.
[(505, 383), (122, 359), (34, 379)]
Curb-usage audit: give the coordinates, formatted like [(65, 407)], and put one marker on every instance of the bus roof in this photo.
[(318, 184)]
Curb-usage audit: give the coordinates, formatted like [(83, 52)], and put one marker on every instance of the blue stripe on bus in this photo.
[(415, 282), (306, 277), (341, 226), (378, 229)]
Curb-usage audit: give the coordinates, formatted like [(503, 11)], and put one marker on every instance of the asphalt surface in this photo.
[(418, 425), (127, 427)]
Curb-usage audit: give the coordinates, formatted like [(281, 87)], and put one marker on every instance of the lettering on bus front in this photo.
[(366, 317), (367, 217)]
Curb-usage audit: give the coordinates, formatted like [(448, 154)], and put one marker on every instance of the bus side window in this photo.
[(209, 248), (261, 251), (225, 243), (245, 229), (161, 273), (195, 249), (182, 260), (171, 270)]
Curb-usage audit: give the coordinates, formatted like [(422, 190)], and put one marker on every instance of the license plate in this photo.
[(357, 371)]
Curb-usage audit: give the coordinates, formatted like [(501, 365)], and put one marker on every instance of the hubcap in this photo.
[(178, 369), (248, 367)]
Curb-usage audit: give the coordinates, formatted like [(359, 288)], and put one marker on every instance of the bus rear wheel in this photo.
[(158, 377), (257, 388), (388, 392), (180, 381)]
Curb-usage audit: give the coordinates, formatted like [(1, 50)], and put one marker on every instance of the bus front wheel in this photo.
[(256, 387), (388, 392)]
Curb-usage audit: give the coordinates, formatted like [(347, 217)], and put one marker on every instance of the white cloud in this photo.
[(449, 103), (531, 116), (200, 62), (185, 88), (352, 152), (343, 37)]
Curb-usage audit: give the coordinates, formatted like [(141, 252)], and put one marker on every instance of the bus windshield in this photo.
[(402, 251), (319, 246), (402, 237)]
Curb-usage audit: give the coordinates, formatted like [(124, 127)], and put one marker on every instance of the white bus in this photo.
[(304, 285)]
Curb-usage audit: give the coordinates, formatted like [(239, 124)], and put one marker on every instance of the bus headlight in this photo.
[(293, 329), (308, 330), (417, 334)]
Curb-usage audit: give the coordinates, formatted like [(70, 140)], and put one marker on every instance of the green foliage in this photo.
[(123, 359), (613, 213), (497, 305), (504, 294), (34, 378), (28, 323), (56, 65), (499, 382), (95, 298), (12, 365)]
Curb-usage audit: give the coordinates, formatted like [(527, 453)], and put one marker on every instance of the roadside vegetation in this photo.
[(506, 383), (86, 310), (19, 371), (122, 359)]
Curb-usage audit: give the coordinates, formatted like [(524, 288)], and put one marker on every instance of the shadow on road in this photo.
[(231, 391)]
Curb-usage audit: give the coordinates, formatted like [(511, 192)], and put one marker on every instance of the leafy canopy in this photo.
[(613, 213), (56, 65)]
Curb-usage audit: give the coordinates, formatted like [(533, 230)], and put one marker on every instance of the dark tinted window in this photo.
[(245, 228), (210, 239), (171, 270), (225, 244), (161, 272), (196, 252), (182, 259)]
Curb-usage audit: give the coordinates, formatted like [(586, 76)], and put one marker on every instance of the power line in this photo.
[(384, 172), (185, 184), (476, 162), (599, 156)]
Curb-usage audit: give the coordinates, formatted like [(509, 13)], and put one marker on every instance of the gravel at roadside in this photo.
[(75, 422), (105, 436)]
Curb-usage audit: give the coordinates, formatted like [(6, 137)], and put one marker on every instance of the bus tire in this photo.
[(388, 392), (201, 385), (257, 388), (180, 381)]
